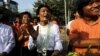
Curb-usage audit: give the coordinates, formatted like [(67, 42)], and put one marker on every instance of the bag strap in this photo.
[(32, 32), (47, 39), (37, 29)]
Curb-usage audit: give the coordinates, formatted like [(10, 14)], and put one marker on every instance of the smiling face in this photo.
[(25, 19), (44, 14), (92, 9)]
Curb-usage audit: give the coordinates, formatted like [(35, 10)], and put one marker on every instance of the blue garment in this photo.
[(7, 41)]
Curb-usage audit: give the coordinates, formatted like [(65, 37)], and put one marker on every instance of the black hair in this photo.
[(38, 10), (25, 13), (82, 3), (4, 18), (17, 17)]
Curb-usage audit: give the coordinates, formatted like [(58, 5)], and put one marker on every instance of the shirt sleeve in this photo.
[(73, 31), (31, 43), (58, 43), (11, 41)]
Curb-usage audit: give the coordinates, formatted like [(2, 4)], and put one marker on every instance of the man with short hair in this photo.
[(7, 41), (87, 27)]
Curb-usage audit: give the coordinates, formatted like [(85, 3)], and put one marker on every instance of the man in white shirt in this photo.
[(54, 42), (48, 40), (7, 41)]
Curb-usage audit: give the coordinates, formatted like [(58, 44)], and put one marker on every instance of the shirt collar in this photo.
[(41, 25)]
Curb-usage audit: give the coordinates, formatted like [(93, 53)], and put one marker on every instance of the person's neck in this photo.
[(91, 19), (43, 23)]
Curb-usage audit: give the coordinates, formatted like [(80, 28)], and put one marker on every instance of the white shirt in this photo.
[(7, 41), (54, 42), (68, 25)]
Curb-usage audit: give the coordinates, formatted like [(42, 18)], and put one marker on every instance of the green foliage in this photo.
[(73, 54), (57, 7)]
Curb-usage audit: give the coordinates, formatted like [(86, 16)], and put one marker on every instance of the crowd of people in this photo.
[(26, 36)]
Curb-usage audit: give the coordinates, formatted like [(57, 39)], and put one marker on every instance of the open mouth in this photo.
[(95, 9)]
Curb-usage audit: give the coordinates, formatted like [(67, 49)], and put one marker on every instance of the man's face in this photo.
[(44, 14), (92, 9)]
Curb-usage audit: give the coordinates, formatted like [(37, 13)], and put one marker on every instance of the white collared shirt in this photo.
[(7, 41), (54, 37)]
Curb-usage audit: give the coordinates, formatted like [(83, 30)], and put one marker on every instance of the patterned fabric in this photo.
[(7, 41)]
